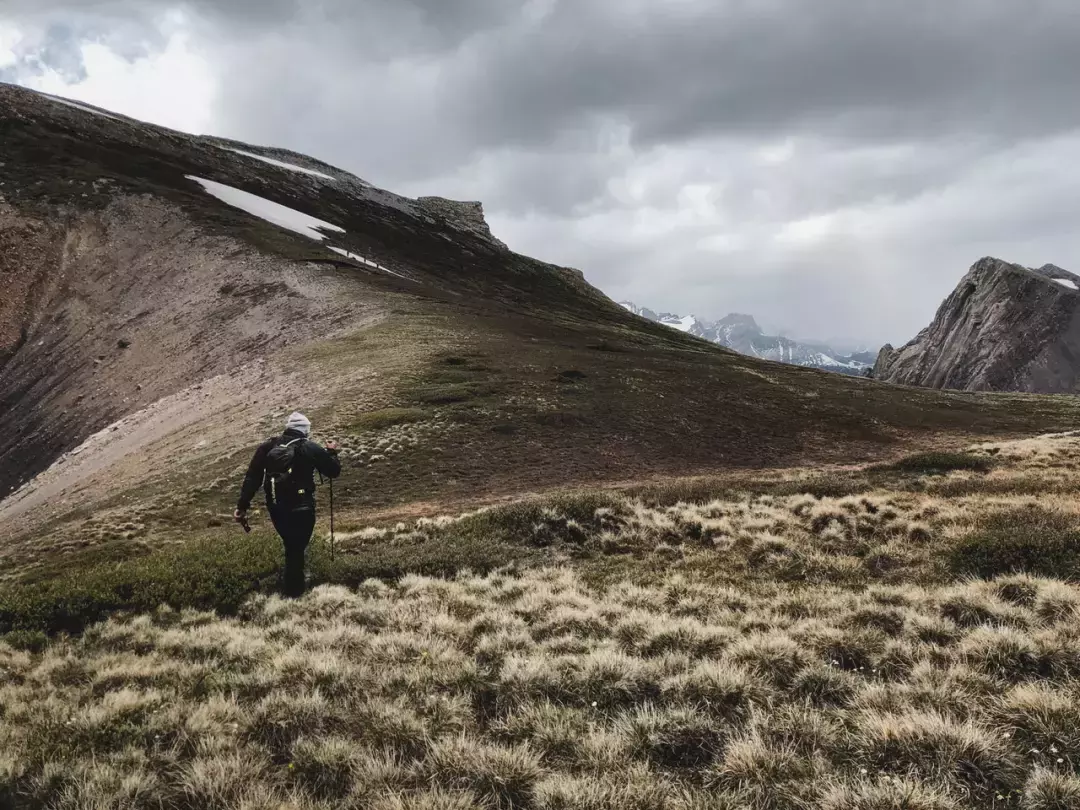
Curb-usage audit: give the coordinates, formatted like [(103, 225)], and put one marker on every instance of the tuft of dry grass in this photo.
[(892, 793), (671, 738), (1047, 790), (504, 777)]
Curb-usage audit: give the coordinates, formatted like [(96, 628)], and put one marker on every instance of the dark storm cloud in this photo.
[(688, 69), (799, 160), (845, 68)]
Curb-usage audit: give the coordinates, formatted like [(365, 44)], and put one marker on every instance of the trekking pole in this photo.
[(331, 520)]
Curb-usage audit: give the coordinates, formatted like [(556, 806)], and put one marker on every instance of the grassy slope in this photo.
[(662, 648), (518, 376), (497, 407)]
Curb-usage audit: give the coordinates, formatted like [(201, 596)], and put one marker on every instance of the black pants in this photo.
[(295, 527)]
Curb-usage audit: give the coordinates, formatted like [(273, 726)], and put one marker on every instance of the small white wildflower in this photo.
[(1053, 749), (862, 771)]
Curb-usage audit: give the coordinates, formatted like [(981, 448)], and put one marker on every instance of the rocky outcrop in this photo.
[(885, 359), (1004, 328), (468, 216)]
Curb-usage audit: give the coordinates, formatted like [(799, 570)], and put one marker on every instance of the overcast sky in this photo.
[(832, 167)]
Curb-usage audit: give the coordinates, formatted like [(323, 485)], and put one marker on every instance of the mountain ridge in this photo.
[(741, 333)]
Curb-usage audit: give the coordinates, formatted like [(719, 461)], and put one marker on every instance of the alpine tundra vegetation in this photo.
[(894, 636)]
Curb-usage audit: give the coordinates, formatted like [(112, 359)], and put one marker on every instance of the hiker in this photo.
[(285, 466)]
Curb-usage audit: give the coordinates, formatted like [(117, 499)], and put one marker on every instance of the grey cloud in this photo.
[(838, 66), (55, 46), (60, 50), (415, 25), (844, 67), (879, 277), (546, 183), (448, 21)]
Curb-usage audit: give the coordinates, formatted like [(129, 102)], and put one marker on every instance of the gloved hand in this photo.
[(332, 448)]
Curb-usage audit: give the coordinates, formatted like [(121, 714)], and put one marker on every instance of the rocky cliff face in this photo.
[(1004, 328)]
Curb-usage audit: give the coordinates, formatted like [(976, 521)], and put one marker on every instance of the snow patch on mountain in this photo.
[(354, 256), (76, 105), (358, 258), (280, 215), (285, 217), (282, 164), (685, 324)]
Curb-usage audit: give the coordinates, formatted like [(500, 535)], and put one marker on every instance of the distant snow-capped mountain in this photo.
[(742, 334)]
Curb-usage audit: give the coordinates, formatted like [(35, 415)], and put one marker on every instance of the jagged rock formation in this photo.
[(741, 333), (1004, 328)]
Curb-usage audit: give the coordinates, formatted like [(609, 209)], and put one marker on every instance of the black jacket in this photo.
[(310, 458)]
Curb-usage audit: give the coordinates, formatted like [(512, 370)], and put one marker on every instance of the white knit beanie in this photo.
[(299, 423)]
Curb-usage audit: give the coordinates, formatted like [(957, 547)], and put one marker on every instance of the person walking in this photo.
[(285, 467)]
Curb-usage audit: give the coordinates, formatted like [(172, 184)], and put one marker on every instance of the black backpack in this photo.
[(280, 462)]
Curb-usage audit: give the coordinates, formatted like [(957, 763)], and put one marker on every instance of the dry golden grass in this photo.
[(764, 653), (538, 691)]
